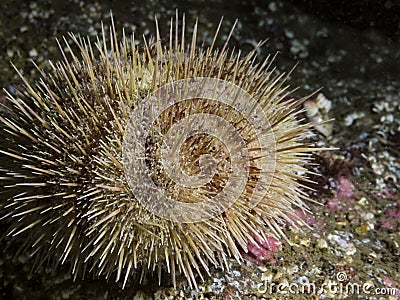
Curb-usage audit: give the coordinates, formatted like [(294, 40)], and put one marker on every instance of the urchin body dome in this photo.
[(64, 183)]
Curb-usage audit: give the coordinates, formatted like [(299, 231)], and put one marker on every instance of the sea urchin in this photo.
[(170, 157)]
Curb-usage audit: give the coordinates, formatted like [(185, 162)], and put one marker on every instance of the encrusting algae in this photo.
[(68, 179)]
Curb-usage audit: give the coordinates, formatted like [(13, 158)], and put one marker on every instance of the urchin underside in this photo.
[(65, 184)]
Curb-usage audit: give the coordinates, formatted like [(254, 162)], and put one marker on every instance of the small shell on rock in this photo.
[(350, 118), (317, 112), (324, 104), (311, 108)]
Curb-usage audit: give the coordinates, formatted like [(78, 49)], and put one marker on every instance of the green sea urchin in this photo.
[(72, 185)]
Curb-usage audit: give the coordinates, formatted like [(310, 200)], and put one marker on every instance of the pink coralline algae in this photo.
[(263, 250), (343, 193), (344, 188), (387, 194), (391, 219), (333, 204), (309, 219)]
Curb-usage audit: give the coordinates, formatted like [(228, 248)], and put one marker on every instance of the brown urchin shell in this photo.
[(64, 185)]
